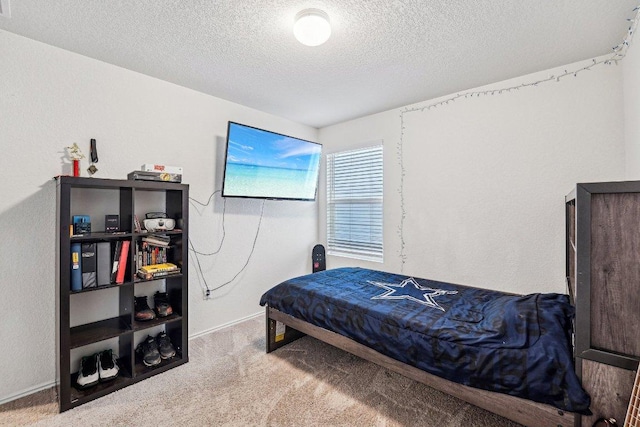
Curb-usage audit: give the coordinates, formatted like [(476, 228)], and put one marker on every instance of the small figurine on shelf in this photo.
[(75, 154)]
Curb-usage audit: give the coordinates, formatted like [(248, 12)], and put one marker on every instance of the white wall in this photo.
[(485, 178), (484, 185), (50, 98), (631, 87)]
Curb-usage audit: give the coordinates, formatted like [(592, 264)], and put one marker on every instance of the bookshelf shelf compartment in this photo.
[(138, 280), (101, 287), (141, 326), (141, 370), (104, 315), (101, 237), (82, 396), (98, 331)]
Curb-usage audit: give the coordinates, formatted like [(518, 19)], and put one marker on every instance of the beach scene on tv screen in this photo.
[(265, 164)]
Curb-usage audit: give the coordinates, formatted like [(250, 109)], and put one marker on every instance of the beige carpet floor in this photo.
[(231, 381)]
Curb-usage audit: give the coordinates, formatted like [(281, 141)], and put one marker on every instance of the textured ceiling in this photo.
[(382, 54)]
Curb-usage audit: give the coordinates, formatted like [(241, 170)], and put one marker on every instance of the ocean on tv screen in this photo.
[(261, 181)]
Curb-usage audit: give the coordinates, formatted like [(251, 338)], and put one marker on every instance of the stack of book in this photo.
[(157, 240), (158, 271), (153, 249)]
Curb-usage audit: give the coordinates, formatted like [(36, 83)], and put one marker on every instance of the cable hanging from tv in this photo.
[(224, 209), (261, 164), (207, 290)]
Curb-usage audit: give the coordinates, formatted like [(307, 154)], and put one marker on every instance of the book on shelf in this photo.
[(116, 261), (157, 275), (76, 267), (157, 240), (103, 262), (140, 254), (155, 271), (148, 254), (154, 268), (89, 274), (122, 263), (136, 224)]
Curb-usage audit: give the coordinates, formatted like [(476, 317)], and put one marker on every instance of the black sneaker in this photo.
[(142, 310), (164, 346), (148, 350), (161, 301), (88, 375), (107, 365)]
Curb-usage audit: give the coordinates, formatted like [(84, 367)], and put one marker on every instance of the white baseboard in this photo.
[(27, 392), (226, 325)]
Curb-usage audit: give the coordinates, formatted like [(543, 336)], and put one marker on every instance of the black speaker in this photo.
[(317, 259)]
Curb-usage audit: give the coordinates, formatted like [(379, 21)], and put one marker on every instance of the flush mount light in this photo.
[(312, 27)]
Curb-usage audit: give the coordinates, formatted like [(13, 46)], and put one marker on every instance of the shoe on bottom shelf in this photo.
[(88, 375), (148, 350), (167, 351), (107, 365)]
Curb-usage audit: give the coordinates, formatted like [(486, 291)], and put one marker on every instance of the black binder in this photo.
[(104, 263), (89, 279)]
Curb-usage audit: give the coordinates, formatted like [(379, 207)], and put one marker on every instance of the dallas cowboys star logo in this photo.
[(414, 292)]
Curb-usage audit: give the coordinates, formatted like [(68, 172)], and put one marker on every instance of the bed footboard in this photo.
[(517, 409)]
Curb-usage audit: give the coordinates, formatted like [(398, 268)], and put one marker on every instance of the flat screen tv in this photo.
[(268, 165)]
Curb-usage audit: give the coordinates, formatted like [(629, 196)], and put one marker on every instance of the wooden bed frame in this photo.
[(520, 410)]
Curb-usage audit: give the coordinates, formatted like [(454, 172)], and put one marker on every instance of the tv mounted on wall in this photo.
[(268, 165)]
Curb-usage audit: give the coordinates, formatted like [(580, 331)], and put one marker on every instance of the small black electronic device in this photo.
[(111, 223), (318, 259), (155, 176), (155, 215)]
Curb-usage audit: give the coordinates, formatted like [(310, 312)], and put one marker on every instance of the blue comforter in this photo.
[(518, 345)]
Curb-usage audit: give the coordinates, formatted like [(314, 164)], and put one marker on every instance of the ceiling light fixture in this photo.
[(311, 27)]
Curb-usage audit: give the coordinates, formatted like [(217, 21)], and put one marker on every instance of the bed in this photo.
[(510, 354)]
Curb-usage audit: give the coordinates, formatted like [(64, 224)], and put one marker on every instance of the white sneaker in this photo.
[(88, 374), (107, 365)]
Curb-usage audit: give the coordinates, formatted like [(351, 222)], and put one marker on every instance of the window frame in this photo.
[(362, 209)]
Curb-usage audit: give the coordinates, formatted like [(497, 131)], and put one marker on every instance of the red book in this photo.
[(122, 263)]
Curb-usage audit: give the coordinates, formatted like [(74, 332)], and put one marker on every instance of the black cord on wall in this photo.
[(207, 290)]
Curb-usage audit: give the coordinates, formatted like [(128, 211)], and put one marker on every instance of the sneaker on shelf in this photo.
[(107, 365), (167, 351), (142, 310), (161, 301), (148, 350), (88, 375)]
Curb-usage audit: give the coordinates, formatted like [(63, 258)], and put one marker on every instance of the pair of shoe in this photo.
[(162, 307), (99, 367), (153, 350)]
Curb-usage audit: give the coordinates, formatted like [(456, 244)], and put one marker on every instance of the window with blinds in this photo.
[(354, 204)]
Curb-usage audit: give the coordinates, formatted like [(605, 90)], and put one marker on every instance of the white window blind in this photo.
[(354, 203)]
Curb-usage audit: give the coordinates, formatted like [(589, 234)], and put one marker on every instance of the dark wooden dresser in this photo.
[(603, 279)]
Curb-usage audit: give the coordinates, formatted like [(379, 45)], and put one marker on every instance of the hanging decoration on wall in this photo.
[(618, 54)]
